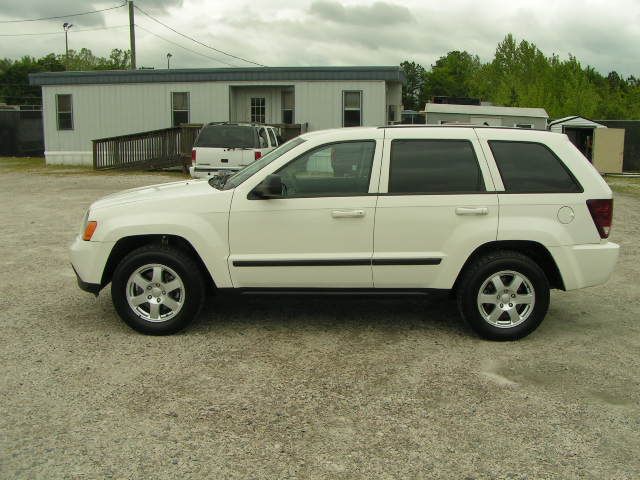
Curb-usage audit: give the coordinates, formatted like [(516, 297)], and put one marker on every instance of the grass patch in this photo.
[(630, 186), (37, 165)]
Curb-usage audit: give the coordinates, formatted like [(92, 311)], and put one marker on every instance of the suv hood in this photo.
[(161, 191)]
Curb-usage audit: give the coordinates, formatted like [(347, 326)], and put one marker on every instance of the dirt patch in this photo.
[(301, 387)]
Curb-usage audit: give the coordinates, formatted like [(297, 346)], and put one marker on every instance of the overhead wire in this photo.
[(61, 32), (197, 41), (64, 16), (183, 47)]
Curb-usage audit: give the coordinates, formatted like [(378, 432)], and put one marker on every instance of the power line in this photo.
[(64, 16), (60, 32), (184, 48), (197, 41)]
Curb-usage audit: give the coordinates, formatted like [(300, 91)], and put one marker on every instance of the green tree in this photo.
[(453, 75), (14, 74), (413, 95)]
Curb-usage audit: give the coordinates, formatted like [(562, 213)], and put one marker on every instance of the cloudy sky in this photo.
[(601, 33)]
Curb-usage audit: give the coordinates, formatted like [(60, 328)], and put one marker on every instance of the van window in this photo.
[(227, 136), (336, 169), (528, 167), (434, 166)]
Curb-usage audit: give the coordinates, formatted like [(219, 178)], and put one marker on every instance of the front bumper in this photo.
[(88, 260), (585, 265), (85, 286)]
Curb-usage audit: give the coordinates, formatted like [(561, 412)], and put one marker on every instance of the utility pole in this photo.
[(66, 26), (132, 36)]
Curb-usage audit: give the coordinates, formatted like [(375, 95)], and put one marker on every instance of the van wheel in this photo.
[(503, 295), (157, 290)]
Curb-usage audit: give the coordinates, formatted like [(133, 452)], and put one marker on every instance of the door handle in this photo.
[(347, 213), (472, 211)]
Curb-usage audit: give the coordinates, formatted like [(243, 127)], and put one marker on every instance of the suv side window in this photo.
[(528, 167), (262, 136), (272, 137), (337, 169), (434, 167)]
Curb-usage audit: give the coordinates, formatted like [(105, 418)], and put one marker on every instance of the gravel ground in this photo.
[(301, 387)]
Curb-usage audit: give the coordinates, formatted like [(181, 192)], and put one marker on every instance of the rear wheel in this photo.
[(503, 295), (157, 290)]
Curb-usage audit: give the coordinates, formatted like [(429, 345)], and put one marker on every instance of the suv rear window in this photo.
[(529, 167), (434, 166), (227, 136)]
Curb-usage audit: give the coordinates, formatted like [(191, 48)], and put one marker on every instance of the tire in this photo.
[(157, 290), (503, 295)]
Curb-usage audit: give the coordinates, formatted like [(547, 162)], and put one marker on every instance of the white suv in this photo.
[(499, 216), (229, 147)]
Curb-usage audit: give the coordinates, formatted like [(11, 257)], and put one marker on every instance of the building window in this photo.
[(351, 109), (258, 110), (179, 108), (287, 106), (434, 167), (64, 112)]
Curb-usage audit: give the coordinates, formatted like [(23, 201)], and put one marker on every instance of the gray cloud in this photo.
[(337, 32), (25, 9), (376, 14)]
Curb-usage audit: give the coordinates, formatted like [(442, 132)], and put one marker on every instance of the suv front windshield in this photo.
[(236, 179)]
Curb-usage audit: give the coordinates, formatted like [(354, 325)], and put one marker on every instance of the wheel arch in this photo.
[(125, 245), (534, 250)]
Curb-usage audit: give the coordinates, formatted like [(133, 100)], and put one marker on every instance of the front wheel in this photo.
[(503, 295), (157, 290)]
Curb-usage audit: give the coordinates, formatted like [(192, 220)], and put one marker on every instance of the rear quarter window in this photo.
[(530, 167)]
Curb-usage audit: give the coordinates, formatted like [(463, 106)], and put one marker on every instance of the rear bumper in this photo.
[(585, 265)]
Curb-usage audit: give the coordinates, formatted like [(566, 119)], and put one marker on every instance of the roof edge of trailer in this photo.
[(250, 74)]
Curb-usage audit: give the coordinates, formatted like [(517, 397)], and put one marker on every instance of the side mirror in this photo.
[(270, 187)]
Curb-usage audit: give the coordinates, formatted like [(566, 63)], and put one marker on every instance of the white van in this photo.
[(230, 146)]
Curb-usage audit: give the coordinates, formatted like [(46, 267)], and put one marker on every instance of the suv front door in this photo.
[(319, 233), (437, 204)]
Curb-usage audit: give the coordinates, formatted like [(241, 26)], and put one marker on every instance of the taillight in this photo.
[(257, 154), (602, 212), (193, 156)]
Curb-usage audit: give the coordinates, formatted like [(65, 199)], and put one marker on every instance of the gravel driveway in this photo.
[(301, 387)]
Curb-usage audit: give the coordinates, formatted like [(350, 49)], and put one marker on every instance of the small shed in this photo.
[(603, 146), (489, 115)]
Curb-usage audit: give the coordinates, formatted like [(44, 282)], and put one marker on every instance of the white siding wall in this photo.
[(107, 110), (320, 103)]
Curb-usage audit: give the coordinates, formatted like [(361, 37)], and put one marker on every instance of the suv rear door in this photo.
[(437, 204)]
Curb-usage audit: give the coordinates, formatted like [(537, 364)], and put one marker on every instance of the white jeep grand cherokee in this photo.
[(499, 216)]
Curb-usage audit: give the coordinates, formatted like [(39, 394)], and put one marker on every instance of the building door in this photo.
[(608, 149)]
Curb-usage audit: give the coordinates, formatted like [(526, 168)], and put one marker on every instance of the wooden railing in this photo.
[(155, 149)]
